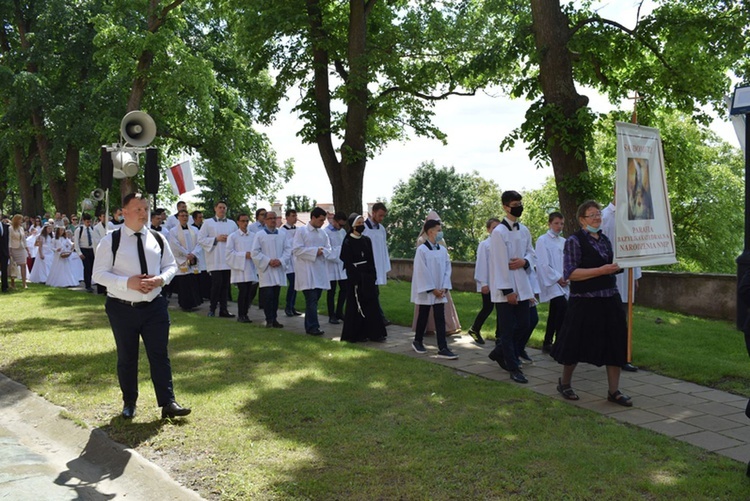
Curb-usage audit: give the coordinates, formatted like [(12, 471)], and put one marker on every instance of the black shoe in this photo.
[(128, 411), (379, 340), (211, 314), (476, 336), (296, 313), (525, 358), (244, 320), (333, 320), (89, 289), (226, 314), (387, 322), (289, 313), (628, 367), (497, 356), (316, 332), (276, 325), (173, 410), (518, 377)]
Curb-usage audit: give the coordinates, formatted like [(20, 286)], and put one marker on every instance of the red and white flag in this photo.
[(181, 178)]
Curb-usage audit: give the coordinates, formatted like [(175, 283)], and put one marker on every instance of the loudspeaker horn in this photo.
[(87, 204), (125, 164), (138, 128), (97, 195)]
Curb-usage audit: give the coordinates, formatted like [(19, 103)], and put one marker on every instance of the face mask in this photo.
[(360, 228), (591, 229), (556, 233), (439, 236), (516, 211)]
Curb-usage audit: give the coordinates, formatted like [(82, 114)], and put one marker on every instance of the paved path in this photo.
[(43, 456)]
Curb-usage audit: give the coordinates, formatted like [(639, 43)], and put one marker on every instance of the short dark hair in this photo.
[(340, 216), (127, 198), (180, 202), (379, 206), (242, 214), (181, 211), (555, 215), (160, 211), (220, 202), (317, 212), (259, 211), (492, 220), (289, 212), (581, 212), (510, 196), (196, 213), (86, 216), (430, 223)]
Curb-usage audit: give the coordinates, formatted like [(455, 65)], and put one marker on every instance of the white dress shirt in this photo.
[(288, 232), (311, 271), (81, 238), (115, 277), (215, 251), (267, 246)]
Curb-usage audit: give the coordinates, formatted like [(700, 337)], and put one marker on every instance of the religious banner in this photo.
[(643, 217), (181, 178)]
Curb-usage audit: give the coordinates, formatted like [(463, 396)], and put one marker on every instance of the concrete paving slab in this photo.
[(710, 440)]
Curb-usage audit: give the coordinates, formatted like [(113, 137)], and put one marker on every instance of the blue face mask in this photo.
[(439, 236), (591, 229), (556, 233)]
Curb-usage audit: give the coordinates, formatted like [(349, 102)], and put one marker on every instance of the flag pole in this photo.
[(630, 292)]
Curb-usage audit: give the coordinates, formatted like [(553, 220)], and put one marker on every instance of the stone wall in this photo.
[(704, 295)]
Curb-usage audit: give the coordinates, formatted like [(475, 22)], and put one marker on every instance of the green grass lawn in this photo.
[(283, 416)]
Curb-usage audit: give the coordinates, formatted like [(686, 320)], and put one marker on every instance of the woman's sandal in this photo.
[(566, 391), (620, 398)]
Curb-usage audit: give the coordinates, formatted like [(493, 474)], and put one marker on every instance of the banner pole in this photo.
[(630, 315)]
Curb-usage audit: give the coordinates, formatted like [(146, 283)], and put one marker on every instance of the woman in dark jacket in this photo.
[(362, 320)]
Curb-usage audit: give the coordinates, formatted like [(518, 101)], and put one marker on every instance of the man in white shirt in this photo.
[(240, 260), (116, 219), (553, 288), (83, 240), (213, 238), (174, 220), (375, 231), (310, 250), (511, 254), (289, 229), (134, 265), (336, 271), (259, 224), (183, 240), (271, 251), (482, 279)]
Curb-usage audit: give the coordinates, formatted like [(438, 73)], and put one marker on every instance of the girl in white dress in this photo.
[(44, 256), (61, 272), (75, 260)]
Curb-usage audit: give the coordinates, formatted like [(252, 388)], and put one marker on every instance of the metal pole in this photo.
[(743, 260)]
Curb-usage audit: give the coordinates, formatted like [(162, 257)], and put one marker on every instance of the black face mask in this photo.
[(360, 228), (516, 211)]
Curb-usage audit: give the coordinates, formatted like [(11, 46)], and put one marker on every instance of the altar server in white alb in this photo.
[(482, 279), (430, 283), (288, 229), (183, 240), (375, 231), (511, 255), (271, 251), (336, 271), (213, 237), (553, 288), (310, 251), (240, 260)]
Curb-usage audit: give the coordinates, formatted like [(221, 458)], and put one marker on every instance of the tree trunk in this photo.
[(70, 184), (29, 184), (551, 35)]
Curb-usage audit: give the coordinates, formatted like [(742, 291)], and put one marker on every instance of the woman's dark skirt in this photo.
[(594, 331)]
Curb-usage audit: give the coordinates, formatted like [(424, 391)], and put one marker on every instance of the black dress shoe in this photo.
[(316, 332), (333, 320), (128, 411), (518, 377), (289, 313), (628, 367), (173, 410), (276, 325), (498, 356), (244, 320), (297, 313), (226, 314)]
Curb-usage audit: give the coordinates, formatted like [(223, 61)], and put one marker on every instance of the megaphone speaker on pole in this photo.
[(138, 128), (105, 169), (98, 195), (152, 171)]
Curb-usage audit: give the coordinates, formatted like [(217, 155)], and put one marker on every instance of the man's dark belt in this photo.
[(134, 304)]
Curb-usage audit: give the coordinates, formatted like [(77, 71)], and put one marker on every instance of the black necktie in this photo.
[(88, 234), (515, 225), (142, 255)]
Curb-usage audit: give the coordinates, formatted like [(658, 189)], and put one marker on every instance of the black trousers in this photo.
[(557, 307), (220, 283), (484, 313), (4, 273), (291, 294), (512, 323), (151, 323), (88, 265), (438, 312), (336, 308), (270, 298), (247, 291)]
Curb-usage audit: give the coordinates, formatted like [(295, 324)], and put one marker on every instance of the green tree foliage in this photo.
[(464, 202)]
